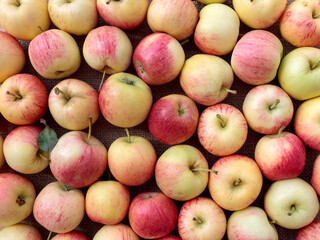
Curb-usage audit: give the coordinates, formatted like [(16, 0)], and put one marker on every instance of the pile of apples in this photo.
[(227, 122)]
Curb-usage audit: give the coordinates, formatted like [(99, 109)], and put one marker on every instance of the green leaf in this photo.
[(47, 139)]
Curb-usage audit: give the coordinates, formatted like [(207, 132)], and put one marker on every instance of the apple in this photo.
[(107, 202), (54, 54), (59, 208), (107, 49), (210, 1), (267, 108), (165, 16), (291, 203), (12, 56), (237, 184), (118, 231), (72, 102), (306, 123), (280, 156), (78, 159), (73, 235), (309, 232), (24, 19), (256, 57), (173, 119), (74, 17), (158, 58), (126, 15), (222, 129), (152, 215), (299, 73), (17, 196), (169, 237), (20, 231), (2, 159), (132, 160), (206, 79), (251, 223), (259, 14), (23, 99), (217, 30), (201, 218), (181, 172), (21, 150), (125, 100), (315, 179), (300, 25)]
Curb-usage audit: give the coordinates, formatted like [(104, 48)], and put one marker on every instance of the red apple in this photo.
[(20, 231), (309, 232), (315, 179), (119, 231), (73, 235), (170, 237)]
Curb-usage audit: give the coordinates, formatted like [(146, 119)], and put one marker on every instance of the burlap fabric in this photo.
[(107, 133)]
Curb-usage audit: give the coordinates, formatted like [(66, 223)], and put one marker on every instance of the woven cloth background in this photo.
[(107, 133)]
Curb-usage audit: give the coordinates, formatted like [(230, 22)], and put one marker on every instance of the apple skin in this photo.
[(30, 104), (210, 1), (73, 235), (118, 231), (280, 156), (18, 195), (167, 16), (294, 195), (132, 160), (223, 186), (54, 54), (260, 112), (300, 24), (107, 48), (256, 57), (158, 58), (251, 223), (152, 215), (299, 73), (59, 208), (21, 150), (306, 123), (20, 231), (219, 140), (315, 179), (173, 119), (259, 14), (201, 218), (217, 30), (73, 109), (2, 159), (77, 162), (309, 232), (174, 172), (170, 237), (12, 56), (206, 79), (25, 20), (126, 15), (107, 202), (125, 100), (76, 17)]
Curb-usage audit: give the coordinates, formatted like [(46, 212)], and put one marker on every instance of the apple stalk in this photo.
[(274, 105), (90, 130), (16, 95), (204, 170), (128, 135)]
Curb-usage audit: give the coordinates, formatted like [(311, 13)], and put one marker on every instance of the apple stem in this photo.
[(205, 170), (281, 130), (17, 95), (90, 129), (102, 80), (43, 157), (57, 91), (316, 15), (273, 222), (274, 105), (20, 200), (196, 219), (222, 122), (18, 3), (66, 188), (315, 65), (229, 90), (49, 236), (40, 29), (128, 134), (293, 208), (185, 41), (239, 180)]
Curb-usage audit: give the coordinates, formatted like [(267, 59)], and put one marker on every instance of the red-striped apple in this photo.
[(315, 179), (309, 232), (20, 231), (117, 231), (73, 235), (169, 237)]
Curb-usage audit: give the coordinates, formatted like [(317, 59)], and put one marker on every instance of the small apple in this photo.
[(59, 208), (73, 235), (12, 56), (126, 15), (256, 57), (107, 202), (309, 232), (237, 184), (54, 54), (117, 231), (201, 218), (222, 129), (20, 231), (72, 16), (158, 58), (291, 203), (2, 159), (206, 79), (125, 100), (173, 119), (152, 215), (17, 196), (267, 108), (23, 99), (315, 179), (166, 16)]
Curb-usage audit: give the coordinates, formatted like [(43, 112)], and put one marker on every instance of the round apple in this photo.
[(309, 232), (73, 235), (315, 179), (115, 232), (2, 159), (169, 237), (20, 231)]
